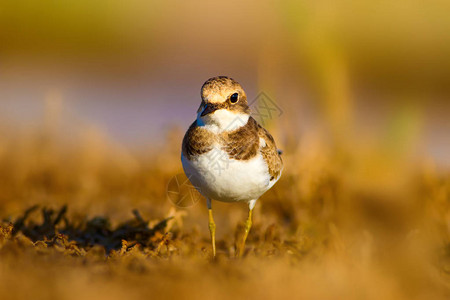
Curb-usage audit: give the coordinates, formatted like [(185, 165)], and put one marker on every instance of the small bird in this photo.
[(226, 154)]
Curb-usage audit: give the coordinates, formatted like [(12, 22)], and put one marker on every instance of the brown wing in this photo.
[(196, 141), (270, 153), (242, 143)]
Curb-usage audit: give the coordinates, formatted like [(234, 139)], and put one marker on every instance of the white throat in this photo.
[(222, 120)]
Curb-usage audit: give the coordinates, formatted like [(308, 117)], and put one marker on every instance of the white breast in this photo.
[(218, 177)]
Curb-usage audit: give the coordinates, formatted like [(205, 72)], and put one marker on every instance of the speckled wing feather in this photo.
[(242, 143), (196, 141), (270, 153)]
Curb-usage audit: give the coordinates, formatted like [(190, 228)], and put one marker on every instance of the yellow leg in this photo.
[(248, 225), (212, 230)]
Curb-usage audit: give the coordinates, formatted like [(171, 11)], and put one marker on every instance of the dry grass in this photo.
[(343, 223)]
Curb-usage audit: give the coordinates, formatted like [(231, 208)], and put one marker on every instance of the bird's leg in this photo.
[(248, 225), (212, 227), (212, 230)]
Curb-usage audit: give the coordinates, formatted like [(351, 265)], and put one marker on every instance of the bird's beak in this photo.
[(209, 108)]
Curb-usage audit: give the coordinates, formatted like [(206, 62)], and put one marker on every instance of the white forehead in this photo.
[(217, 96)]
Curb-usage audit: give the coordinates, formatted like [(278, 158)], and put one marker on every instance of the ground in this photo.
[(92, 220)]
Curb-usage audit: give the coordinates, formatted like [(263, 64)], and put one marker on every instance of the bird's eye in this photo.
[(234, 98)]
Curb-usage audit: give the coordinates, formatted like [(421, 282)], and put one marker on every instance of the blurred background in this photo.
[(355, 75), (95, 97), (134, 70)]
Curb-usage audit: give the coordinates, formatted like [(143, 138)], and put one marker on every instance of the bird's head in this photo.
[(224, 104)]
